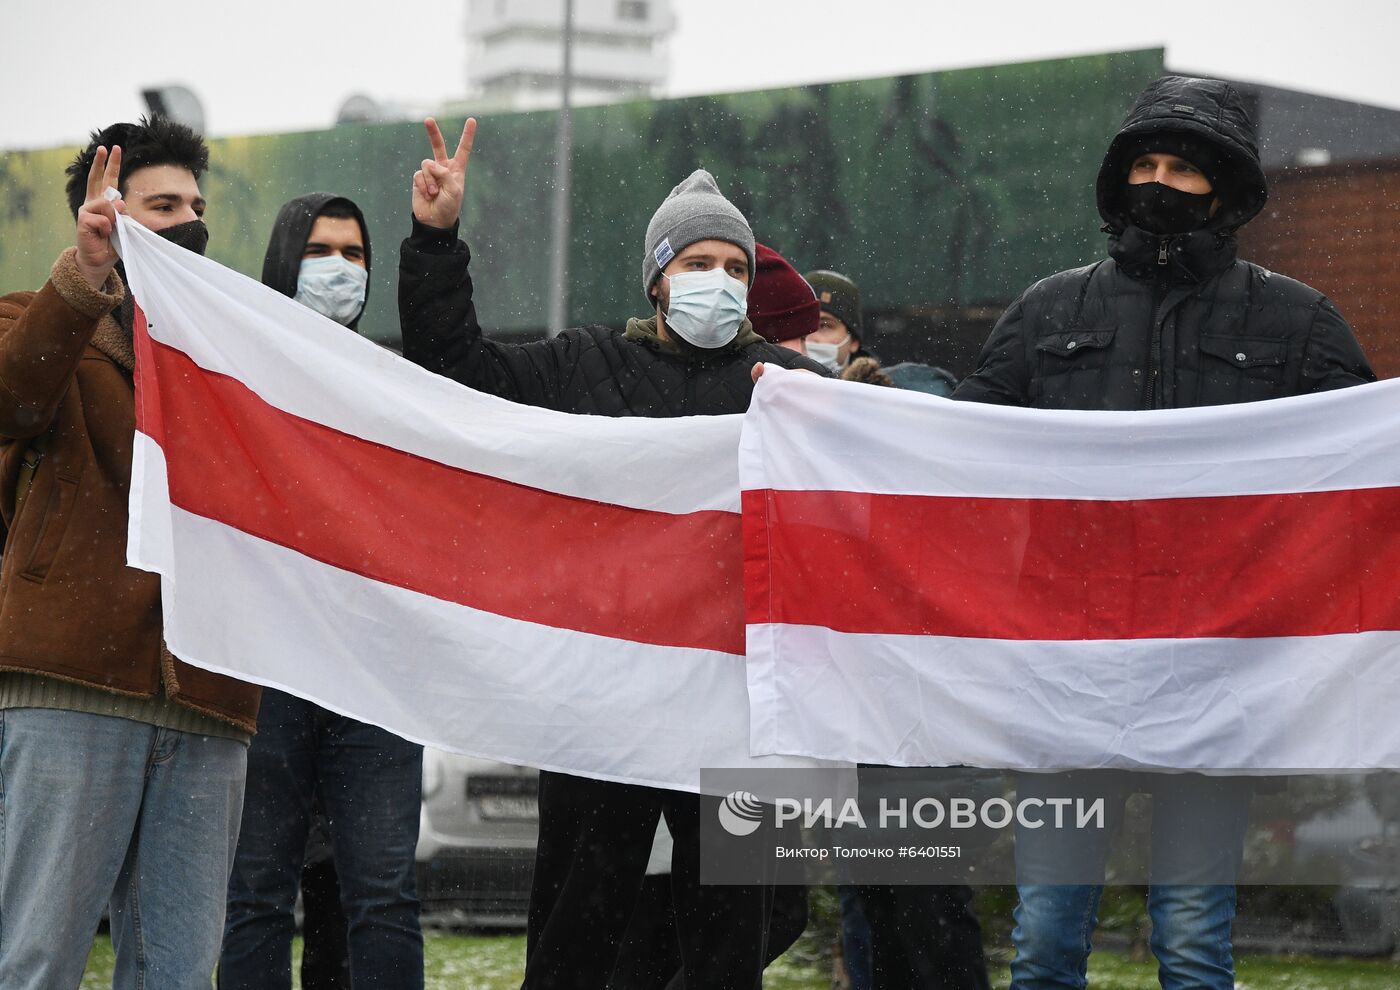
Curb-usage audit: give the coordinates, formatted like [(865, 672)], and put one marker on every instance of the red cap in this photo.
[(782, 305)]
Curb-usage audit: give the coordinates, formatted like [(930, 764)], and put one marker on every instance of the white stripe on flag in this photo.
[(825, 436), (1212, 705)]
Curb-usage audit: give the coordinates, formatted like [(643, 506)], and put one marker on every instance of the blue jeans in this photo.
[(1198, 826), (101, 811), (371, 787)]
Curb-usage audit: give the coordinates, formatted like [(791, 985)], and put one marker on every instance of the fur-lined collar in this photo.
[(113, 341)]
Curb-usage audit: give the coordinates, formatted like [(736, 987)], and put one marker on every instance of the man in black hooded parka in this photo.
[(1171, 318)]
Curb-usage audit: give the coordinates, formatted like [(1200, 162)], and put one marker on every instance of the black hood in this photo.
[(290, 232), (1207, 110)]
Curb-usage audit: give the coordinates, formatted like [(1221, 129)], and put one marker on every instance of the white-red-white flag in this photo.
[(546, 589), (934, 582)]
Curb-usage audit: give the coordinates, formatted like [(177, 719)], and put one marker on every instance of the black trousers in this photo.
[(650, 954), (650, 957), (923, 938), (595, 838)]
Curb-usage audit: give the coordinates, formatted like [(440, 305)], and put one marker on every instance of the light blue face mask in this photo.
[(707, 307), (332, 287), (827, 355)]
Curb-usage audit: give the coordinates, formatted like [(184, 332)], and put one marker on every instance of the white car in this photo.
[(476, 840)]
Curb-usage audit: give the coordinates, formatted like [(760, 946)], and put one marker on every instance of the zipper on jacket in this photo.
[(1154, 346), (1160, 289), (689, 393)]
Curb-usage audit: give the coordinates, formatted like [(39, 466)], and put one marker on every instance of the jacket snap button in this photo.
[(1070, 346), (1239, 356)]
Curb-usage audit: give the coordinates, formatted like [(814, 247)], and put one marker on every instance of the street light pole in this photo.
[(564, 139)]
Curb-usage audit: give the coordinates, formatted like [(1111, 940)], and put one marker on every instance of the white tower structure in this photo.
[(514, 51)]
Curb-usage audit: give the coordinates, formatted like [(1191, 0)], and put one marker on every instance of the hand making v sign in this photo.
[(439, 184), (97, 218)]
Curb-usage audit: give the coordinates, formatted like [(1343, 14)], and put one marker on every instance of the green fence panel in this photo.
[(950, 188)]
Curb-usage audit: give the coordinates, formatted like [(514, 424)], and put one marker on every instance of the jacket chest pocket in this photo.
[(1240, 369), (1069, 364)]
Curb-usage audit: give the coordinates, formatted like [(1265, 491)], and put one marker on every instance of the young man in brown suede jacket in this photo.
[(122, 767)]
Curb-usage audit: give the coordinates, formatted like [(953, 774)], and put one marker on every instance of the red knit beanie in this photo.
[(781, 303)]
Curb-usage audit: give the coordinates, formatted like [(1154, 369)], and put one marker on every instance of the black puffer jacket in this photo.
[(1170, 321), (589, 370)]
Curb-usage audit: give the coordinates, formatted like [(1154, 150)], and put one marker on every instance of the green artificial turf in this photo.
[(493, 962)]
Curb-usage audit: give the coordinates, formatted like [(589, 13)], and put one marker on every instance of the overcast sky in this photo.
[(277, 65)]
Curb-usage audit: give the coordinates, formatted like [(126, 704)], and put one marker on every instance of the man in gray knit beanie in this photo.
[(692, 355), (698, 266), (695, 211)]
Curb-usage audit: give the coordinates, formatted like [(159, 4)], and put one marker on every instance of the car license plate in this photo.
[(517, 808)]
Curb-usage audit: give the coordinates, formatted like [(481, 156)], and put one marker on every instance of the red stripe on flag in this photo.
[(1304, 564), (148, 418), (504, 548)]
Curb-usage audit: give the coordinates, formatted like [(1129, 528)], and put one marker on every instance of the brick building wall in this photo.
[(1337, 228)]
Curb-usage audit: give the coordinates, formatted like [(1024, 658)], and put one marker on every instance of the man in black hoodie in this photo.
[(319, 254), (304, 758), (1172, 318), (693, 356)]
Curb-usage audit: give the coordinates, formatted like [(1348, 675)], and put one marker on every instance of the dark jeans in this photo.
[(595, 838), (325, 954), (370, 782)]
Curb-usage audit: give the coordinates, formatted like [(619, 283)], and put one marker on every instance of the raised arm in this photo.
[(42, 337), (437, 314)]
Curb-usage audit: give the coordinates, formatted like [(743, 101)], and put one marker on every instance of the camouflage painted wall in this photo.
[(949, 188)]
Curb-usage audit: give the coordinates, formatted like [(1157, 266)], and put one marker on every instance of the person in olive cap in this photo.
[(1171, 318), (838, 335), (692, 356), (837, 343)]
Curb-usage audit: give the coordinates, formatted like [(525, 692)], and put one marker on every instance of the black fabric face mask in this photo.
[(1160, 209), (192, 236)]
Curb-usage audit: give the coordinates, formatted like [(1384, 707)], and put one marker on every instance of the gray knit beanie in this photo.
[(695, 211)]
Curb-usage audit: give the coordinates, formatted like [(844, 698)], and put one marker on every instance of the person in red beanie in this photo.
[(782, 306)]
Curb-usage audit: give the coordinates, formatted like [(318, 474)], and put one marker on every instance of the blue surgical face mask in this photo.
[(332, 287), (707, 307)]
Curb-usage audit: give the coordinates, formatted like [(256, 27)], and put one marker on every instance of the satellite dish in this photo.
[(178, 103), (360, 109)]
